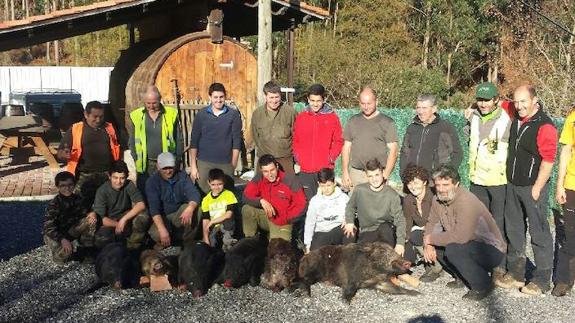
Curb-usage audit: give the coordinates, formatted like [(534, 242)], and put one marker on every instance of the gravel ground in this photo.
[(32, 288)]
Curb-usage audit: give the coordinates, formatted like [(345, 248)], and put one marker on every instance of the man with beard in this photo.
[(488, 146), (462, 235)]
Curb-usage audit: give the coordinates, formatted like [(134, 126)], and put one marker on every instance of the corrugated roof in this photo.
[(111, 4)]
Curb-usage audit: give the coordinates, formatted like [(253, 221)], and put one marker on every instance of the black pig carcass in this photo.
[(117, 266), (245, 262), (199, 265)]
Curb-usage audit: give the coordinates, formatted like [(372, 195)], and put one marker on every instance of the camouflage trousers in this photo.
[(83, 232), (134, 232), (87, 184)]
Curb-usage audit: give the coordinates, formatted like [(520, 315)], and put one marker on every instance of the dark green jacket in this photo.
[(272, 132)]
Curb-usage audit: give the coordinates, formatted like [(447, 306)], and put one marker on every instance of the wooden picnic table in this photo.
[(19, 131)]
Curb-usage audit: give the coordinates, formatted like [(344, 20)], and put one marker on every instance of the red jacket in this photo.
[(317, 139), (285, 195)]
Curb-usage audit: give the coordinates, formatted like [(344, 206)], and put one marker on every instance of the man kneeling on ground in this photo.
[(273, 200), (462, 235), (172, 201), (66, 220), (121, 207)]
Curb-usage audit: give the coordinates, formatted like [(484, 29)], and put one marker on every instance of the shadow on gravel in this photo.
[(21, 229), (21, 283), (427, 319)]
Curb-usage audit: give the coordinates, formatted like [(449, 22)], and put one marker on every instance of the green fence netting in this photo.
[(404, 116)]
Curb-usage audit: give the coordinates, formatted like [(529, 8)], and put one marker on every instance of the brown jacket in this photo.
[(411, 213), (461, 220), (272, 132)]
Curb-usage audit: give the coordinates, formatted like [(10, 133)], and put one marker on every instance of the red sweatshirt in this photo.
[(285, 195), (317, 139)]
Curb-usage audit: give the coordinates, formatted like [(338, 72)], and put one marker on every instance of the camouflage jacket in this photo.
[(62, 214)]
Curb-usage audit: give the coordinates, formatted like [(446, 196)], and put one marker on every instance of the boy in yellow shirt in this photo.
[(217, 212)]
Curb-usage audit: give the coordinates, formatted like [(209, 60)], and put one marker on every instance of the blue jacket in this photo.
[(165, 197)]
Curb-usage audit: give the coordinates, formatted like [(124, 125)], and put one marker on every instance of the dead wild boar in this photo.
[(118, 266), (354, 266), (281, 265), (199, 267), (245, 262)]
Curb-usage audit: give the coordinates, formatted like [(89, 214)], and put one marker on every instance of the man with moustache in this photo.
[(429, 141), (462, 235), (368, 135), (532, 148), (272, 125)]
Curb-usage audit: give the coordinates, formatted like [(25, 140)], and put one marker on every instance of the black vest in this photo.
[(524, 159)]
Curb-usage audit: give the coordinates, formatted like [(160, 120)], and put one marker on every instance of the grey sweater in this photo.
[(374, 208)]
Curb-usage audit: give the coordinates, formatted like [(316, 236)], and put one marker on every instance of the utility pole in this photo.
[(264, 46)]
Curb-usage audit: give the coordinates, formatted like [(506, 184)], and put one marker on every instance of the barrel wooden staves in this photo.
[(194, 62)]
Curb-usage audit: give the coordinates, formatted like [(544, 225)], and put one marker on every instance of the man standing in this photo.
[(462, 235), (532, 148), (172, 201), (272, 126), (317, 139), (430, 141), (273, 200), (368, 135), (90, 147), (154, 129), (488, 147), (120, 206), (216, 138)]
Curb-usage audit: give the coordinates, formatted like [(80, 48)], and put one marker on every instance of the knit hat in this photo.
[(166, 159), (486, 90)]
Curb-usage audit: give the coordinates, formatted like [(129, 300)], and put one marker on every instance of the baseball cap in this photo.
[(486, 90), (166, 159)]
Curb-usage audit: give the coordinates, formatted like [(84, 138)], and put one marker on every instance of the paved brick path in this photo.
[(25, 176)]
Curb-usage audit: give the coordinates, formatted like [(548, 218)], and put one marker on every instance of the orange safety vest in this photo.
[(77, 129)]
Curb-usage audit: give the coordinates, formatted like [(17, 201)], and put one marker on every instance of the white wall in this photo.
[(91, 82)]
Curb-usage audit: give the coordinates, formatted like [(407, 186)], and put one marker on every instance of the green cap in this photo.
[(486, 90)]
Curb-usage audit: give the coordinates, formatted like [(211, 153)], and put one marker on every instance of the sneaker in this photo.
[(456, 283), (477, 295), (508, 281), (561, 289), (497, 274), (531, 289), (429, 276)]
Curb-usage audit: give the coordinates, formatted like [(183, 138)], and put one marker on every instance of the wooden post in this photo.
[(264, 46), (291, 39)]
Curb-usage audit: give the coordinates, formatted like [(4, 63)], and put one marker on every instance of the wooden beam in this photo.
[(216, 25), (264, 46)]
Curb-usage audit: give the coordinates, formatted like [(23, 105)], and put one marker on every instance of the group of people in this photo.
[(477, 236)]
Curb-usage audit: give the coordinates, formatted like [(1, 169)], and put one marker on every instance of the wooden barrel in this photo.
[(195, 62)]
